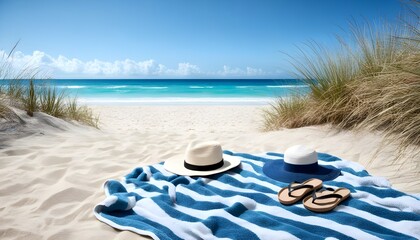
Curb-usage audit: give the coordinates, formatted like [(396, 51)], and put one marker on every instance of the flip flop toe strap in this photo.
[(294, 188), (335, 196)]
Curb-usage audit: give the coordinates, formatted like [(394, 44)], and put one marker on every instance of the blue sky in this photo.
[(175, 39)]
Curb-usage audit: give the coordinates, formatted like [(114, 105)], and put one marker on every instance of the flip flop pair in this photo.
[(326, 199), (323, 200)]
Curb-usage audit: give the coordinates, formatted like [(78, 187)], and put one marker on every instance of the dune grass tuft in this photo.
[(371, 82), (4, 110), (80, 113), (52, 102), (30, 99), (18, 89), (285, 112)]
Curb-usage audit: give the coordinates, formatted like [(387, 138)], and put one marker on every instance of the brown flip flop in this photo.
[(325, 200), (296, 191)]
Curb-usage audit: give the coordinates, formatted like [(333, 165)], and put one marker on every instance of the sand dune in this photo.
[(51, 174)]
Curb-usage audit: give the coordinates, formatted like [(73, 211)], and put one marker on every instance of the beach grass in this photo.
[(52, 102), (286, 112), (4, 110), (372, 81), (30, 100), (80, 113), (18, 89)]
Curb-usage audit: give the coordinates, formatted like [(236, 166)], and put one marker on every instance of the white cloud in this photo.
[(254, 71), (186, 69), (62, 66), (249, 71), (67, 65)]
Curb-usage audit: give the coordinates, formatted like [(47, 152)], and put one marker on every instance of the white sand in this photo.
[(51, 180)]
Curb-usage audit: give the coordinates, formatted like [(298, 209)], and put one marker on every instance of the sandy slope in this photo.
[(51, 179)]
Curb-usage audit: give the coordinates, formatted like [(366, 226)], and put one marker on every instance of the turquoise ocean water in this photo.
[(179, 91)]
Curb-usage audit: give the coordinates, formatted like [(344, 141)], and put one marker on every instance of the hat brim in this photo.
[(176, 165), (274, 169)]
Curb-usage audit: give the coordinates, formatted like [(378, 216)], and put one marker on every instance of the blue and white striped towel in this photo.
[(242, 204)]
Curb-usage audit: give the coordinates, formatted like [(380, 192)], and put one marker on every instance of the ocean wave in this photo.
[(143, 87), (200, 87), (243, 86), (116, 87), (286, 86), (73, 87)]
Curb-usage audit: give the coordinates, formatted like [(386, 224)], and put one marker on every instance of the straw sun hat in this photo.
[(300, 164), (202, 159)]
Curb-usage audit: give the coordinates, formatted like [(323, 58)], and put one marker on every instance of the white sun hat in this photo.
[(202, 159)]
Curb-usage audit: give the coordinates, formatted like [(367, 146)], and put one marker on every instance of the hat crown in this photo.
[(204, 153), (300, 155)]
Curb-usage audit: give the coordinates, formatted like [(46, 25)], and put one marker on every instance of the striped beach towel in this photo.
[(242, 204)]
